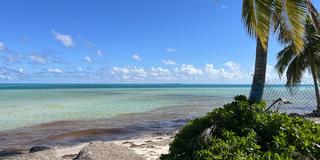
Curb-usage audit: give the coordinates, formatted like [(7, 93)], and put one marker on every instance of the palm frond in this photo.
[(314, 15), (295, 11), (256, 15), (280, 26), (264, 12), (285, 17), (249, 17), (284, 58), (295, 71)]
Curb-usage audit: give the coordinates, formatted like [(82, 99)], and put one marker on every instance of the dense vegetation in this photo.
[(244, 130)]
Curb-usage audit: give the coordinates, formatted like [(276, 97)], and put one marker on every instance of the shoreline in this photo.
[(121, 127), (149, 147), (22, 140)]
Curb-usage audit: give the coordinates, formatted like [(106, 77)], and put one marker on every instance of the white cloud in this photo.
[(233, 65), (2, 46), (65, 39), (230, 72), (136, 57), (7, 74), (21, 70), (168, 62), (87, 59), (55, 70), (161, 73), (141, 74), (184, 73), (33, 58), (171, 49), (99, 52), (5, 77), (119, 70), (38, 59), (220, 73), (210, 70), (189, 69), (120, 73), (158, 71)]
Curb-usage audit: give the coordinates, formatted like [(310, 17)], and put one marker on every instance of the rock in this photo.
[(48, 154), (69, 156), (107, 151), (12, 152), (39, 148)]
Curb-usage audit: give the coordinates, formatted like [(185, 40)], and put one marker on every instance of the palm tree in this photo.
[(313, 15), (260, 17), (308, 59)]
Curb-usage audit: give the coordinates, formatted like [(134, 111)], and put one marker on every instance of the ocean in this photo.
[(64, 114)]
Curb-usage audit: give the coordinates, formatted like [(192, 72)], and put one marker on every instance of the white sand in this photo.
[(148, 147)]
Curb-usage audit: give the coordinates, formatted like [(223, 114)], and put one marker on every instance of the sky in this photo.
[(125, 41)]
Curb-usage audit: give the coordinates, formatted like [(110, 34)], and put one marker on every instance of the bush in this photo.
[(244, 130)]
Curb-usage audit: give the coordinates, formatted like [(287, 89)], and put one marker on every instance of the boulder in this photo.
[(39, 148), (107, 151)]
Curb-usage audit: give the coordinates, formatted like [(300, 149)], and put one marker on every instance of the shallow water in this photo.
[(26, 107), (41, 114), (37, 114)]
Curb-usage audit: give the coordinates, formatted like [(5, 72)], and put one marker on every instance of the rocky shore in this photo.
[(143, 148)]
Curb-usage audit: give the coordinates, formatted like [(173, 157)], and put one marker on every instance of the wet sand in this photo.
[(122, 127)]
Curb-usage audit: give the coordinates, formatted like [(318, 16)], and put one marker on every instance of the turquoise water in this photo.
[(24, 105), (64, 114)]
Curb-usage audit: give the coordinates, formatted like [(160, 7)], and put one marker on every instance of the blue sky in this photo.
[(125, 41)]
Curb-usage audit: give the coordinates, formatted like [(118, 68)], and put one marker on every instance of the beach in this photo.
[(146, 147), (33, 115), (151, 80), (75, 115)]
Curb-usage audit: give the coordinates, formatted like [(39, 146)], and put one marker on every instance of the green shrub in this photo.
[(244, 130)]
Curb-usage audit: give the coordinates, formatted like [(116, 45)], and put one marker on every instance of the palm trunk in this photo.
[(259, 76), (316, 87)]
